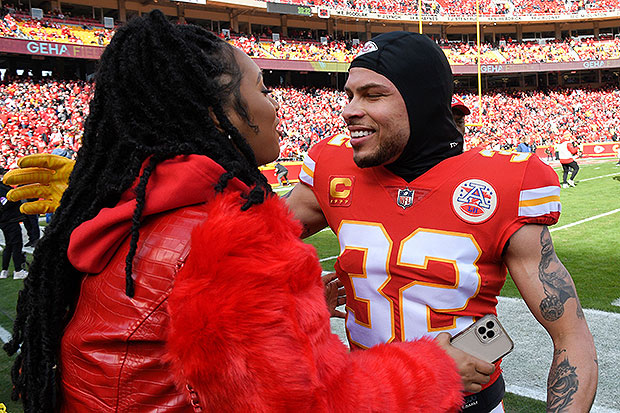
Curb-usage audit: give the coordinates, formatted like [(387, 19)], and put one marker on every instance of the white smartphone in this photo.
[(485, 339)]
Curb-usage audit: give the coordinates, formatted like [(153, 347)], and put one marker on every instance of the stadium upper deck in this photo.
[(518, 37), (513, 8), (21, 26)]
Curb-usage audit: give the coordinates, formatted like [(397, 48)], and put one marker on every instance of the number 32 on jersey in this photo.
[(416, 298)]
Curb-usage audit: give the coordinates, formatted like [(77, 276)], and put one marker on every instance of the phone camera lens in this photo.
[(482, 330), (490, 333), (490, 324)]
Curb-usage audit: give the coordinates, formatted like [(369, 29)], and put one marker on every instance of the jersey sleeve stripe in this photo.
[(539, 210), (539, 201), (541, 192), (305, 178), (307, 171), (306, 175)]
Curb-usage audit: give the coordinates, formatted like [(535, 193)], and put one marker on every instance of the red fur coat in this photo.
[(250, 329)]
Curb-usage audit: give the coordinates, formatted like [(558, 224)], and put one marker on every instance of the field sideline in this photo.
[(586, 240)]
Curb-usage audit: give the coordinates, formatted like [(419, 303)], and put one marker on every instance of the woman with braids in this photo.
[(171, 279)]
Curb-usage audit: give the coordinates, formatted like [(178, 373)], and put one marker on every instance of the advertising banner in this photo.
[(590, 150), (52, 49), (599, 150)]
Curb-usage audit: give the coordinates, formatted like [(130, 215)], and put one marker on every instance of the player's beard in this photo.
[(387, 151)]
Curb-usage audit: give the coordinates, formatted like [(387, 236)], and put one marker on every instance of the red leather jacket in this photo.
[(112, 350)]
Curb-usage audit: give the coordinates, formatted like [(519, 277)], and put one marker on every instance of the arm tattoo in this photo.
[(563, 383), (555, 280)]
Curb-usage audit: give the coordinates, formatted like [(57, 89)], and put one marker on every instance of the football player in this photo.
[(459, 111), (427, 232)]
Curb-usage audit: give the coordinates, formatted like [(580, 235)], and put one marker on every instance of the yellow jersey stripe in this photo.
[(307, 170), (539, 201)]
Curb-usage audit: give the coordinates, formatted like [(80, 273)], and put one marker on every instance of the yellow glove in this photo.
[(42, 176)]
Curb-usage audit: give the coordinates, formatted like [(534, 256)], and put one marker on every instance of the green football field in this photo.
[(585, 239)]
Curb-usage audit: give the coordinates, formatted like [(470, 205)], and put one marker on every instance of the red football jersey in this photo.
[(425, 257)]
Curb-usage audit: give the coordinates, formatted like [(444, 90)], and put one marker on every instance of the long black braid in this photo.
[(157, 90)]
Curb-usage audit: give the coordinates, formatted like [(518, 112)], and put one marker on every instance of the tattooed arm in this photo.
[(549, 292), (303, 203)]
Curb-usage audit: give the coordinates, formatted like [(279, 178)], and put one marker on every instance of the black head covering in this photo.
[(421, 73)]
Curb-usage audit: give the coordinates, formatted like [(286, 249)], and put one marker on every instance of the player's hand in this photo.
[(43, 176), (334, 294), (474, 372)]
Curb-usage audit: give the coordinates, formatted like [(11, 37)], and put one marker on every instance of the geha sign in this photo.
[(52, 49)]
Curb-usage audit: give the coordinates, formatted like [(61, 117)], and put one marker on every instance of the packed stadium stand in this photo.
[(309, 115), (464, 7), (54, 29), (458, 53), (40, 116)]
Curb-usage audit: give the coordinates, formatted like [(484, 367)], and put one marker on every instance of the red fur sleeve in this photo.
[(249, 329)]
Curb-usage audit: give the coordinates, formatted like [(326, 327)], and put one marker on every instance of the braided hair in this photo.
[(162, 90)]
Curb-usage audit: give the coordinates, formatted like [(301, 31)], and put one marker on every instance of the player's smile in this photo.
[(360, 134)]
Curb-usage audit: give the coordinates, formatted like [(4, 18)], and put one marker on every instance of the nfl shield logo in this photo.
[(404, 198)]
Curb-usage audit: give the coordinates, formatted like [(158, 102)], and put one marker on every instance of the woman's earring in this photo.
[(230, 137)]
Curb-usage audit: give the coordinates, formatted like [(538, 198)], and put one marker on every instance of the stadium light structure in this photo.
[(479, 72), (479, 123), (420, 14)]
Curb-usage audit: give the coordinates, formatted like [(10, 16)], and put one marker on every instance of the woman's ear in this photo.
[(215, 120)]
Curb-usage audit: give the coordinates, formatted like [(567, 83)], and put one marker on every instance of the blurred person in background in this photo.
[(10, 217), (282, 174), (459, 111), (567, 153), (523, 146), (31, 224)]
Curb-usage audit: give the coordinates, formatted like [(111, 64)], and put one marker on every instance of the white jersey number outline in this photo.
[(417, 298)]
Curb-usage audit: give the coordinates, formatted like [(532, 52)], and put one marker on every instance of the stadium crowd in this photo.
[(506, 51), (464, 7), (589, 115), (309, 115), (331, 51), (40, 116), (53, 28)]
